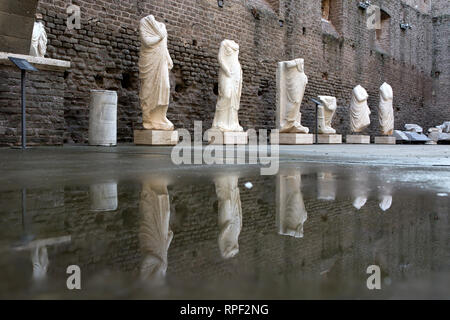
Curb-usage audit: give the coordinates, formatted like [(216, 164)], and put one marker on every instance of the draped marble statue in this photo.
[(291, 85), (230, 88), (326, 113), (386, 110), (155, 235), (291, 211), (154, 65), (230, 215), (359, 110), (39, 38)]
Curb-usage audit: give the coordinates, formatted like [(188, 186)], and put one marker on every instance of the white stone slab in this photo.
[(155, 137), (226, 138), (329, 138), (39, 62), (357, 139), (416, 137), (293, 138), (385, 140)]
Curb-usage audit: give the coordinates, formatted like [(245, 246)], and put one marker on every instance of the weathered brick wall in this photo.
[(440, 107), (45, 107), (104, 55)]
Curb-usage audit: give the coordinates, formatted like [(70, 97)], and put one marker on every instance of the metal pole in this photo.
[(24, 126), (317, 129)]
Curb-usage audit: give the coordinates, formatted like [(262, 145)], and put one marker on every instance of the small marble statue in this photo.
[(359, 110), (291, 85), (326, 113), (230, 215), (39, 38), (230, 88), (154, 65), (155, 235), (291, 214), (386, 110)]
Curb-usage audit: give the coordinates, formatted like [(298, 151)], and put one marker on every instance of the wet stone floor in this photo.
[(312, 231)]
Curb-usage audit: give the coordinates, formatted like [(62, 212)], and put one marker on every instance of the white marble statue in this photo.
[(230, 88), (39, 38), (291, 85), (155, 235), (230, 215), (154, 65), (386, 110), (359, 110), (291, 211), (445, 127), (326, 112)]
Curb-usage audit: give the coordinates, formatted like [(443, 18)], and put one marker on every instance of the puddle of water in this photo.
[(310, 232)]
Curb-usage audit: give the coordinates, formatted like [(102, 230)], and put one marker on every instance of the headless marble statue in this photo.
[(291, 213), (291, 85), (230, 215), (155, 235), (39, 38), (359, 110), (386, 110), (326, 113), (154, 65), (230, 88)]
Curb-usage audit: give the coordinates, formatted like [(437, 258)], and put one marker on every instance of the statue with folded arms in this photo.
[(154, 65), (359, 110), (230, 88), (386, 110)]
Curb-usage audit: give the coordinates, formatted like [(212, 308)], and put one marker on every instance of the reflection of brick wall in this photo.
[(104, 55), (338, 240), (45, 107)]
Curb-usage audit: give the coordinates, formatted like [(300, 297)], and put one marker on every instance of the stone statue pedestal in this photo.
[(357, 139), (385, 140), (226, 138), (329, 138), (155, 137), (293, 138)]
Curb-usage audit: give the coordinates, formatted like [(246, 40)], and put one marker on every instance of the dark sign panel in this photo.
[(22, 64)]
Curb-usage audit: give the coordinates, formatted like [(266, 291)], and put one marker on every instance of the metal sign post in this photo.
[(317, 110), (24, 66)]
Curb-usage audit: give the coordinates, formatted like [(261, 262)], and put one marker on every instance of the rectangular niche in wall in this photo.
[(332, 19), (383, 35)]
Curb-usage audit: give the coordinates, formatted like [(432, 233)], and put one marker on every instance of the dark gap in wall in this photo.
[(126, 82)]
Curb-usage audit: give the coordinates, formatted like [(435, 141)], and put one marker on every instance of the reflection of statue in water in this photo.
[(326, 186), (385, 197), (39, 258), (290, 205), (230, 215), (326, 113), (292, 82), (230, 88), (359, 110), (154, 234), (154, 65), (360, 190), (386, 110)]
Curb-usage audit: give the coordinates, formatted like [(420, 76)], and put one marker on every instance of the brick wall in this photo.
[(104, 55), (45, 107)]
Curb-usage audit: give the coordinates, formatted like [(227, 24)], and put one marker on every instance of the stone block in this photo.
[(357, 139), (155, 137), (293, 138), (385, 140)]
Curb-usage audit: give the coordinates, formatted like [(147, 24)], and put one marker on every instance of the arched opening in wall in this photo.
[(383, 35), (332, 20)]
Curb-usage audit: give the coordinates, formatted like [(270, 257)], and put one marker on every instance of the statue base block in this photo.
[(358, 139), (155, 137), (293, 138), (227, 138), (385, 140), (329, 139)]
